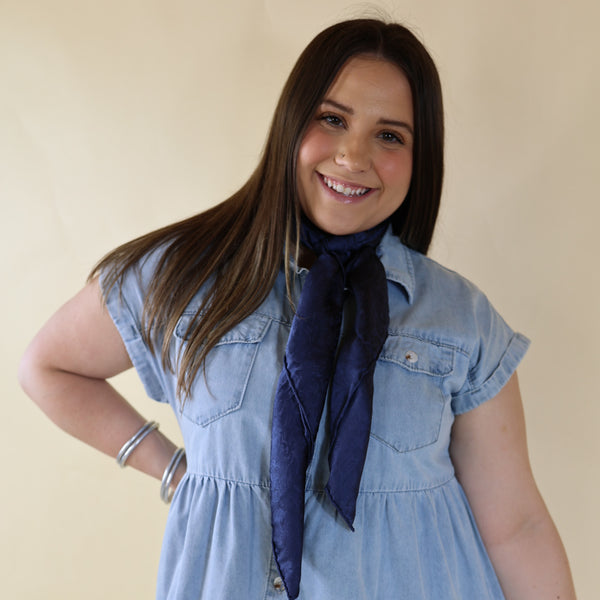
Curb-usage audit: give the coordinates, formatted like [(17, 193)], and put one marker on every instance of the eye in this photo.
[(391, 137), (332, 120)]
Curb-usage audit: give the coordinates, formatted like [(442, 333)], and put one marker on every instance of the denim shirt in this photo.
[(415, 538)]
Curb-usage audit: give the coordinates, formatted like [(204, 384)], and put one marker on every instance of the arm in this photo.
[(64, 370), (489, 451)]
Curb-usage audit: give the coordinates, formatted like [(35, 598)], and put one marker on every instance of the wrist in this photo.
[(179, 473), (167, 485)]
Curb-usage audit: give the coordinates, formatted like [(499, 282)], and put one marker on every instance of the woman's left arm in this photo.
[(489, 451)]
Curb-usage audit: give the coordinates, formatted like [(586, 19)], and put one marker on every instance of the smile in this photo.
[(344, 189)]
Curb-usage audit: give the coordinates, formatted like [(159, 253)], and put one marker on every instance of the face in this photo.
[(355, 160)]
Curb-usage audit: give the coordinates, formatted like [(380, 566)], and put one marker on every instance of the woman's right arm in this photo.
[(64, 370)]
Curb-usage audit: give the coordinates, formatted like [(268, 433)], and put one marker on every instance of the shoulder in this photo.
[(447, 285), (134, 278), (426, 281), (125, 288), (438, 305)]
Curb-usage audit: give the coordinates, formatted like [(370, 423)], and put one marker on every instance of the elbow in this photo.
[(27, 371), (32, 374)]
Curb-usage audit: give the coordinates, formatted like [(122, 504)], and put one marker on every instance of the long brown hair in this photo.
[(236, 249)]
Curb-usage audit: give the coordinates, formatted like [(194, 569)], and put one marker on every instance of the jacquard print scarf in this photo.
[(316, 361)]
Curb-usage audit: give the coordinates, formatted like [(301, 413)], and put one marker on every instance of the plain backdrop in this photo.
[(120, 116)]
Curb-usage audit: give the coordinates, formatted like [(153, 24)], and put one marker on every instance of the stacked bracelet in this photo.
[(166, 493), (165, 485), (131, 444)]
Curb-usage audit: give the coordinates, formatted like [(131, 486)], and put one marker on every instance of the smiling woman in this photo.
[(353, 429), (355, 160)]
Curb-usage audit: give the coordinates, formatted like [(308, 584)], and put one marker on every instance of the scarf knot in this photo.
[(343, 247)]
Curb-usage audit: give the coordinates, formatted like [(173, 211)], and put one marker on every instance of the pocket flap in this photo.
[(250, 331), (419, 355)]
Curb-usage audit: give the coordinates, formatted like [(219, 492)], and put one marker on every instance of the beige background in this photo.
[(120, 116)]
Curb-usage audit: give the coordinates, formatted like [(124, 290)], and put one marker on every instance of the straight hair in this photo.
[(234, 251)]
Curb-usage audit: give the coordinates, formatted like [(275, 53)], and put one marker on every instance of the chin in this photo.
[(341, 227), (336, 228), (332, 224)]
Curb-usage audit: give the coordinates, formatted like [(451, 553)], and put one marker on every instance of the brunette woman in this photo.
[(350, 410)]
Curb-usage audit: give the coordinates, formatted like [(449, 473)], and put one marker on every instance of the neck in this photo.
[(343, 246)]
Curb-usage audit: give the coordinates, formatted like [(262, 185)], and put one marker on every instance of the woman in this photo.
[(350, 409)]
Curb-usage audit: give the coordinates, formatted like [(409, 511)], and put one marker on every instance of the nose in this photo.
[(353, 154)]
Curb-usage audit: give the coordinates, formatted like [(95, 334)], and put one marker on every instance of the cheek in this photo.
[(316, 147), (396, 170)]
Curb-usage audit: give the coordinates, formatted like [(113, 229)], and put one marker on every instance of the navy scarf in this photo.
[(314, 363)]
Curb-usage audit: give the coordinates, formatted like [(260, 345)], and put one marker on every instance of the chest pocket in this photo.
[(219, 389), (409, 401)]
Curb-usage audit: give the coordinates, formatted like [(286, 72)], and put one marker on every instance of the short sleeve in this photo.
[(125, 305), (497, 351)]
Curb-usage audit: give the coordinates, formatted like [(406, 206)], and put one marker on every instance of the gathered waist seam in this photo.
[(267, 485), (192, 474), (405, 490)]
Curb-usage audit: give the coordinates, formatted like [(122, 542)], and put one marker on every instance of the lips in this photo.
[(344, 191)]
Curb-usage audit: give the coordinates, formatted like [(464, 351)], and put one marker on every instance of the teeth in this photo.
[(340, 189)]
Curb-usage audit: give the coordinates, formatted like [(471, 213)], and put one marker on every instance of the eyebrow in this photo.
[(350, 111)]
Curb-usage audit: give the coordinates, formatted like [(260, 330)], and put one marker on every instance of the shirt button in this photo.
[(278, 584), (411, 356)]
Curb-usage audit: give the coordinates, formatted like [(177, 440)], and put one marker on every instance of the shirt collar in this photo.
[(397, 262)]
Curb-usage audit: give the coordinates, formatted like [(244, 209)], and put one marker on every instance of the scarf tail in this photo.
[(308, 366)]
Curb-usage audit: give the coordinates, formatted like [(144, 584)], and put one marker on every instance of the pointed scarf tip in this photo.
[(347, 516)]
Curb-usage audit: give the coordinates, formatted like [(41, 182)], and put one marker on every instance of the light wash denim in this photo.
[(415, 538)]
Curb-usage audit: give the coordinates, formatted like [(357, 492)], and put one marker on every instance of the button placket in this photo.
[(275, 588)]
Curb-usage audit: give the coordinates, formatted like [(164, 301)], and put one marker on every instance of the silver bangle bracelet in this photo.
[(165, 485), (131, 444)]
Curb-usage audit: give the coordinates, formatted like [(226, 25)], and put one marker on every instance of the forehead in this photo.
[(371, 79)]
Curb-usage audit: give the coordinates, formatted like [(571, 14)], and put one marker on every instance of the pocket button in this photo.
[(411, 356)]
